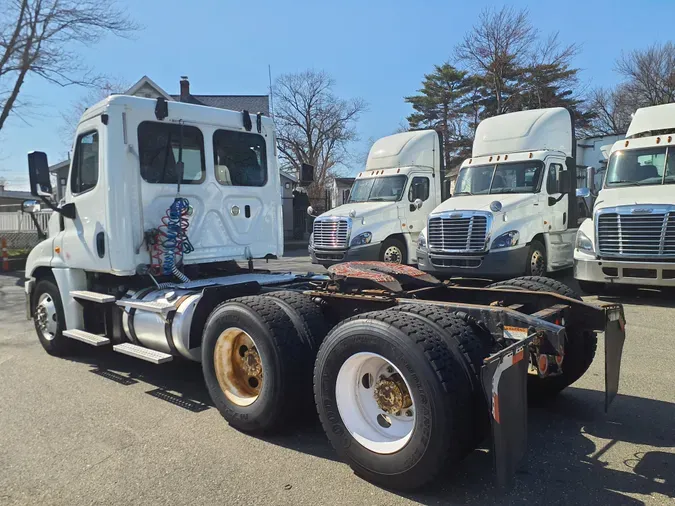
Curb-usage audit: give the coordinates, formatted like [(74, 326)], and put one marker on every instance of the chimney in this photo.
[(184, 89)]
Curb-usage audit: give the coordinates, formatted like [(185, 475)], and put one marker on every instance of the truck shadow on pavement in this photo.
[(568, 439)]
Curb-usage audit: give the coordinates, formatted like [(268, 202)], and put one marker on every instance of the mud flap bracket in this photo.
[(615, 335), (504, 381)]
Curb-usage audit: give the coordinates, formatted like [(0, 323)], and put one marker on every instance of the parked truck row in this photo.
[(525, 203), (408, 374)]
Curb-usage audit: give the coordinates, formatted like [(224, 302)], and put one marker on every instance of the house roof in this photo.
[(58, 166), (251, 103), (12, 194), (288, 175)]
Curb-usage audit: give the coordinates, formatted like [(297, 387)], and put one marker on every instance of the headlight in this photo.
[(506, 240), (362, 239), (421, 241), (584, 243)]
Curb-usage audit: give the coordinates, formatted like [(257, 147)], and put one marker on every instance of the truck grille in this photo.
[(331, 234), (636, 232), (458, 232)]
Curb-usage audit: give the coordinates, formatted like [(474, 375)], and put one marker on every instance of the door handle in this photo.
[(247, 211), (100, 244)]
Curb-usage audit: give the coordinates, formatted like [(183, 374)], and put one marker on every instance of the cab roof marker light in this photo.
[(530, 155), (658, 140), (506, 157), (490, 159), (626, 144), (498, 157), (670, 138)]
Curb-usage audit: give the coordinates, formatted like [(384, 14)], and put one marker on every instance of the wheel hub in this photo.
[(393, 254), (238, 366), (45, 316), (537, 263), (391, 394)]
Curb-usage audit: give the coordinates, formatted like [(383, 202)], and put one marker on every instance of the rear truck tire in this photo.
[(394, 251), (392, 398), (471, 345), (536, 259), (580, 346), (257, 367), (307, 316), (49, 319)]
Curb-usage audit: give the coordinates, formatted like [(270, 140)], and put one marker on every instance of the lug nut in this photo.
[(390, 369), (409, 413)]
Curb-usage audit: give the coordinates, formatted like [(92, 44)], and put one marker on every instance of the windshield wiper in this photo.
[(463, 193), (377, 199)]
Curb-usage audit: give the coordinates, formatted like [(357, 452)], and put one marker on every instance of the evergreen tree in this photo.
[(439, 105)]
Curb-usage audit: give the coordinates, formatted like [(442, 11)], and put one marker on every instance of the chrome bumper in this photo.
[(588, 268)]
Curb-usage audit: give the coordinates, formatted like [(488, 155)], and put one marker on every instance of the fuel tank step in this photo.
[(86, 337), (156, 357), (101, 298), (151, 307)]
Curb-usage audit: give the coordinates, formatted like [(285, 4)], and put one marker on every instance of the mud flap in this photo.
[(504, 380), (615, 335)]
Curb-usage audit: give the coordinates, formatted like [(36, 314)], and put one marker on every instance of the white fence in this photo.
[(17, 221)]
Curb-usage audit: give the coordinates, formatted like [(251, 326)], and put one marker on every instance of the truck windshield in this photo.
[(378, 189), (516, 177), (637, 167)]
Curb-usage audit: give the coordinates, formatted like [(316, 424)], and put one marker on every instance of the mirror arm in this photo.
[(41, 233), (67, 210)]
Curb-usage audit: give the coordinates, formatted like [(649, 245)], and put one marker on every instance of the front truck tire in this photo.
[(392, 399), (257, 366), (49, 319), (580, 346)]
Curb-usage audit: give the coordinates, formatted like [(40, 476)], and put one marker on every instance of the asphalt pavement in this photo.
[(104, 428)]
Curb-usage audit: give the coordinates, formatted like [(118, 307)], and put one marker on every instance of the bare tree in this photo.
[(496, 48), (38, 37), (613, 110), (71, 116), (314, 125), (650, 74)]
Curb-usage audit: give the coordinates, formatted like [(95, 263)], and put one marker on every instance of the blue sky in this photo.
[(378, 50)]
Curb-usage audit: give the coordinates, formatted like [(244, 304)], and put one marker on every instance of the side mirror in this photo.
[(306, 174), (565, 183), (583, 193), (418, 203), (310, 211), (38, 172), (30, 206)]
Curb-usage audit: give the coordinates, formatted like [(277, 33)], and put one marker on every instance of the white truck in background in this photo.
[(630, 238), (388, 203), (514, 210)]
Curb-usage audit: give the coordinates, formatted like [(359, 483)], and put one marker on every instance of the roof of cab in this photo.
[(416, 148), (652, 119), (533, 130)]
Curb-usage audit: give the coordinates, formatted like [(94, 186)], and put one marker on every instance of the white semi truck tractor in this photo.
[(630, 238), (514, 209), (407, 374), (388, 203)]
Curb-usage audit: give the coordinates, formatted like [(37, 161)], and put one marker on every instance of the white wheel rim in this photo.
[(45, 316), (238, 366), (393, 254), (363, 417)]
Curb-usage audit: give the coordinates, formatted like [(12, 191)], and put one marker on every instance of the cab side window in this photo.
[(419, 189), (552, 182), (84, 173)]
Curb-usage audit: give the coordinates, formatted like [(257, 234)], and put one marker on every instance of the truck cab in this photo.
[(388, 203), (514, 208), (630, 238)]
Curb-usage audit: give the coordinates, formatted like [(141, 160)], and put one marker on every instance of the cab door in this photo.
[(419, 187), (560, 233), (84, 242)]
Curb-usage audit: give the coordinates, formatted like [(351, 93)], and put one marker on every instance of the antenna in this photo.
[(269, 72)]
